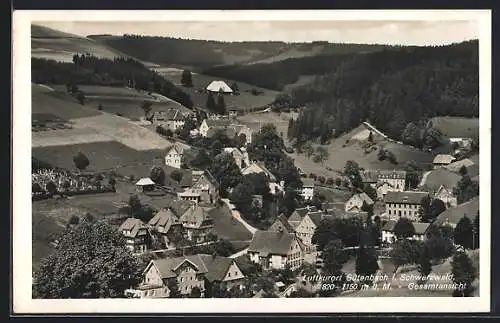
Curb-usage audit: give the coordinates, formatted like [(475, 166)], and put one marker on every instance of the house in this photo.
[(219, 87), (447, 196), (190, 194), (389, 236), (406, 204), (281, 223), (209, 127), (305, 231), (257, 168), (457, 165), (197, 224), (395, 178), (172, 118), (442, 160), (167, 224), (276, 250), (462, 143), (173, 157), (297, 215), (144, 184), (439, 177), (240, 156), (213, 124), (189, 272), (355, 203), (307, 191), (136, 235), (276, 188), (382, 189), (206, 185), (452, 215)]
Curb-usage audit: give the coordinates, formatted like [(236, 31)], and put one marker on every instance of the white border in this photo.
[(22, 302)]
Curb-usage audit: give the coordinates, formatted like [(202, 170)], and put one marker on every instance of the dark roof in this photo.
[(271, 242), (420, 227), (197, 215), (454, 214), (281, 222), (299, 213), (133, 225), (217, 123), (179, 207), (389, 225), (217, 267), (316, 217), (167, 266), (407, 197), (372, 176), (438, 177), (473, 170), (164, 218)]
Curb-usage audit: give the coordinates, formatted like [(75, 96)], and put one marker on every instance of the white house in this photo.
[(240, 156), (355, 203), (389, 236), (173, 157), (219, 87), (403, 204), (382, 189), (307, 191)]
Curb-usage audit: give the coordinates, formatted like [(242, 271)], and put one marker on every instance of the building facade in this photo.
[(404, 204), (173, 157)]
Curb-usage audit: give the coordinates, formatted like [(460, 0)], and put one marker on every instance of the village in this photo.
[(224, 207)]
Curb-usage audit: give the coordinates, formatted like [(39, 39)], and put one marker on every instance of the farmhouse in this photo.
[(197, 223), (406, 204), (190, 194), (306, 228), (144, 184), (447, 196), (453, 215), (395, 178), (355, 203), (136, 235), (189, 272), (172, 119), (389, 236), (173, 157), (442, 160), (307, 191), (297, 215), (258, 168), (219, 87), (276, 250), (168, 225), (207, 187), (209, 127)]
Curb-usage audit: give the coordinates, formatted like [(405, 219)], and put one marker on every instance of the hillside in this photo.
[(209, 53), (390, 88), (53, 44)]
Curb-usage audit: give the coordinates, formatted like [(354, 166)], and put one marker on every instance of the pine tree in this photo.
[(210, 105), (475, 244), (462, 235), (424, 262), (366, 261), (187, 78), (463, 272), (221, 105)]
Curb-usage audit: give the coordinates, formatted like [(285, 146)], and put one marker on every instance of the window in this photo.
[(228, 274)]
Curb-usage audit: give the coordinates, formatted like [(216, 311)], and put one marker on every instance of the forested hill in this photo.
[(204, 54), (91, 70), (390, 88)]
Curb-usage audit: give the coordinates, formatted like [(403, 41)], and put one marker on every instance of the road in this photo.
[(424, 178)]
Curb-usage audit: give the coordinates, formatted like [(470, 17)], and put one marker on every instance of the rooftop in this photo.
[(406, 197)]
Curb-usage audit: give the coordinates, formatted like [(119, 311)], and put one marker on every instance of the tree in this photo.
[(224, 248), (157, 175), (463, 171), (424, 262), (324, 233), (430, 209), (195, 292), (74, 220), (334, 257), (463, 272), (321, 154), (235, 87), (370, 137), (463, 233), (36, 188), (241, 196), (134, 204), (401, 253), (146, 107), (329, 181), (321, 179), (338, 181), (352, 171), (308, 149), (370, 191), (51, 188), (202, 160), (81, 161), (226, 172), (173, 288), (70, 272), (412, 135), (260, 184), (187, 78), (475, 244), (366, 261), (404, 228), (210, 105), (438, 244), (176, 175), (413, 174), (466, 189), (221, 105)]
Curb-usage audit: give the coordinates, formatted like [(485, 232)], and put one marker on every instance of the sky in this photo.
[(403, 32)]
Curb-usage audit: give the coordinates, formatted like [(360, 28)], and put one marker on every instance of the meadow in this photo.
[(457, 126)]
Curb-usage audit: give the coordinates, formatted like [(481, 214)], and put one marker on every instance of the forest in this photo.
[(90, 70), (391, 89)]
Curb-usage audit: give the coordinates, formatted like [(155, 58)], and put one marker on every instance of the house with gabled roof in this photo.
[(276, 250), (207, 186), (189, 272), (144, 184), (307, 191), (355, 203), (168, 226), (281, 223), (452, 215), (240, 156), (389, 235), (197, 223), (305, 231), (299, 213), (136, 234), (257, 168), (443, 160), (219, 87), (446, 195), (173, 156), (172, 118)]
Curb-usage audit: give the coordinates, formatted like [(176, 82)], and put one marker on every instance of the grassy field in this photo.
[(457, 127), (228, 227), (200, 82)]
